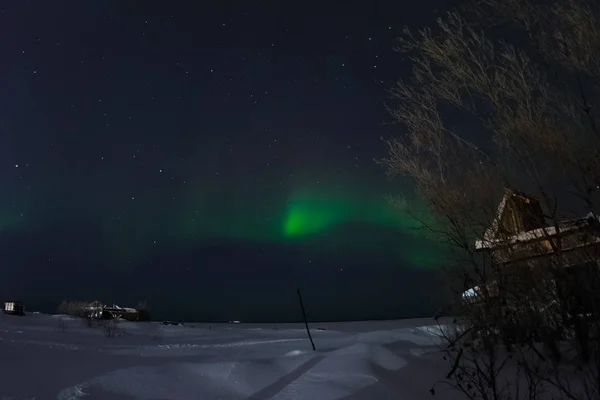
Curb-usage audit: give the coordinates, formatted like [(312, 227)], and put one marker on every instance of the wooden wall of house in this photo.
[(521, 214)]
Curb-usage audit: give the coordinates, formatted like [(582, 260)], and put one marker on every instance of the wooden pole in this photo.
[(305, 321)]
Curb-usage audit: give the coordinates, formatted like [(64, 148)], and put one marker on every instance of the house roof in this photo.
[(540, 233), (491, 233)]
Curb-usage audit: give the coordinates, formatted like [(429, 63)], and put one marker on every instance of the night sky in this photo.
[(208, 157)]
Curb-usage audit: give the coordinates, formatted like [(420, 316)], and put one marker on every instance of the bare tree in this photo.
[(527, 122), (72, 308), (79, 309)]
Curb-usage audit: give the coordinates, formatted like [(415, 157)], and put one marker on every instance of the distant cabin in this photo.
[(97, 310), (116, 312), (14, 308)]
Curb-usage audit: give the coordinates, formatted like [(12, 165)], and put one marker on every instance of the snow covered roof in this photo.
[(541, 233), (119, 308), (492, 231)]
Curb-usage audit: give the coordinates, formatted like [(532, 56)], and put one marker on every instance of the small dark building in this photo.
[(14, 308), (116, 312)]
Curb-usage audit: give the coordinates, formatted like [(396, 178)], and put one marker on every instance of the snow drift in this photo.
[(382, 360)]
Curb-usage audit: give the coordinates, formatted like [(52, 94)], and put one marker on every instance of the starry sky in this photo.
[(208, 157)]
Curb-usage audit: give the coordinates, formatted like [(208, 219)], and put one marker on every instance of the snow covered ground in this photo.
[(58, 357)]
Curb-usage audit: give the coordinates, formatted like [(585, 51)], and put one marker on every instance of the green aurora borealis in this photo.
[(316, 219), (310, 212), (326, 218), (187, 155)]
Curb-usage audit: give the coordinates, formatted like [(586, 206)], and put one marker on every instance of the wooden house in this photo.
[(520, 243), (14, 308), (519, 233)]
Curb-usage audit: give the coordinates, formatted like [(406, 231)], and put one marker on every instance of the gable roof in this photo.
[(510, 195)]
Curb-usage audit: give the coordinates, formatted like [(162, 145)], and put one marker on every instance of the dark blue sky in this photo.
[(155, 150)]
